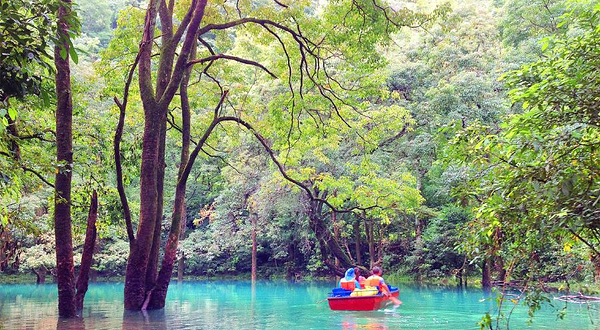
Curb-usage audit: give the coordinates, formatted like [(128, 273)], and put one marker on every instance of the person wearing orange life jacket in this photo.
[(349, 282), (377, 280)]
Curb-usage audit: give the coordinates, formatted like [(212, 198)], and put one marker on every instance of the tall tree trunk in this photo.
[(40, 275), (135, 274), (418, 231), (370, 242), (357, 242), (327, 243), (486, 274), (254, 247), (185, 149), (88, 252), (336, 233), (499, 267), (152, 268), (140, 252), (137, 295), (64, 158), (13, 130)]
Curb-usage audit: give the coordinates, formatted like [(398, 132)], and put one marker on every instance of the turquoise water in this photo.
[(271, 305)]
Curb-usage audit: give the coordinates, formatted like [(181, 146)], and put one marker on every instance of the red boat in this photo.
[(361, 303)]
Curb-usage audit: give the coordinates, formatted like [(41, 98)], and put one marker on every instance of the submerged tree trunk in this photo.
[(139, 293), (88, 252), (64, 159), (254, 247), (40, 275), (137, 263)]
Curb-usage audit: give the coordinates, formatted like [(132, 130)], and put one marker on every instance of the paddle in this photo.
[(388, 294), (395, 300)]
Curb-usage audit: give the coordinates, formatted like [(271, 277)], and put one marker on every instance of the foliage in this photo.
[(27, 32), (539, 174), (440, 241), (40, 255), (111, 258)]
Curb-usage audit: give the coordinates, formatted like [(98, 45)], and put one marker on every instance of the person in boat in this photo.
[(349, 281), (377, 280), (361, 279)]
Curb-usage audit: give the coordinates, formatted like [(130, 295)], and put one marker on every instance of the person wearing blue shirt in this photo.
[(349, 281)]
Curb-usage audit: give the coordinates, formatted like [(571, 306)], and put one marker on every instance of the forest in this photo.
[(452, 142)]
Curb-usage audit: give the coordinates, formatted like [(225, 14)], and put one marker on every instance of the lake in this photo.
[(272, 305)]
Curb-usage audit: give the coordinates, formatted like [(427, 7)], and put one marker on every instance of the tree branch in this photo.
[(36, 173), (117, 151), (233, 58), (284, 173)]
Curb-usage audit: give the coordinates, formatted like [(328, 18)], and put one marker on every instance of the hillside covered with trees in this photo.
[(439, 140)]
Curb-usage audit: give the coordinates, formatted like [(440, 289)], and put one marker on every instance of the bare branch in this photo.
[(36, 173), (281, 4), (233, 58), (117, 151), (184, 23)]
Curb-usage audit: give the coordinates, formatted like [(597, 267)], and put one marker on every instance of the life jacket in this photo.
[(348, 285), (374, 280)]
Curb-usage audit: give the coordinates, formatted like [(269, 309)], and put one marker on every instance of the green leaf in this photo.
[(63, 53), (74, 56), (12, 113)]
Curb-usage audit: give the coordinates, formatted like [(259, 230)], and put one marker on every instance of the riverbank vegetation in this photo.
[(436, 139)]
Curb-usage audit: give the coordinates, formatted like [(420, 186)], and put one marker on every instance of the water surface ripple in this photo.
[(271, 305)]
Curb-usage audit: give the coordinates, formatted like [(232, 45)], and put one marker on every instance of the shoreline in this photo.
[(443, 282)]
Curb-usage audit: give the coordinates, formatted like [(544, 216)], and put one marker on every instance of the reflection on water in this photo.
[(266, 305), (367, 321)]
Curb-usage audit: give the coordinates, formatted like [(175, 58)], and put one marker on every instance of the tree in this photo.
[(200, 19), (537, 176), (64, 157), (70, 294)]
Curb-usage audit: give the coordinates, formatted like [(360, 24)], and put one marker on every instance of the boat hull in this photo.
[(360, 303)]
